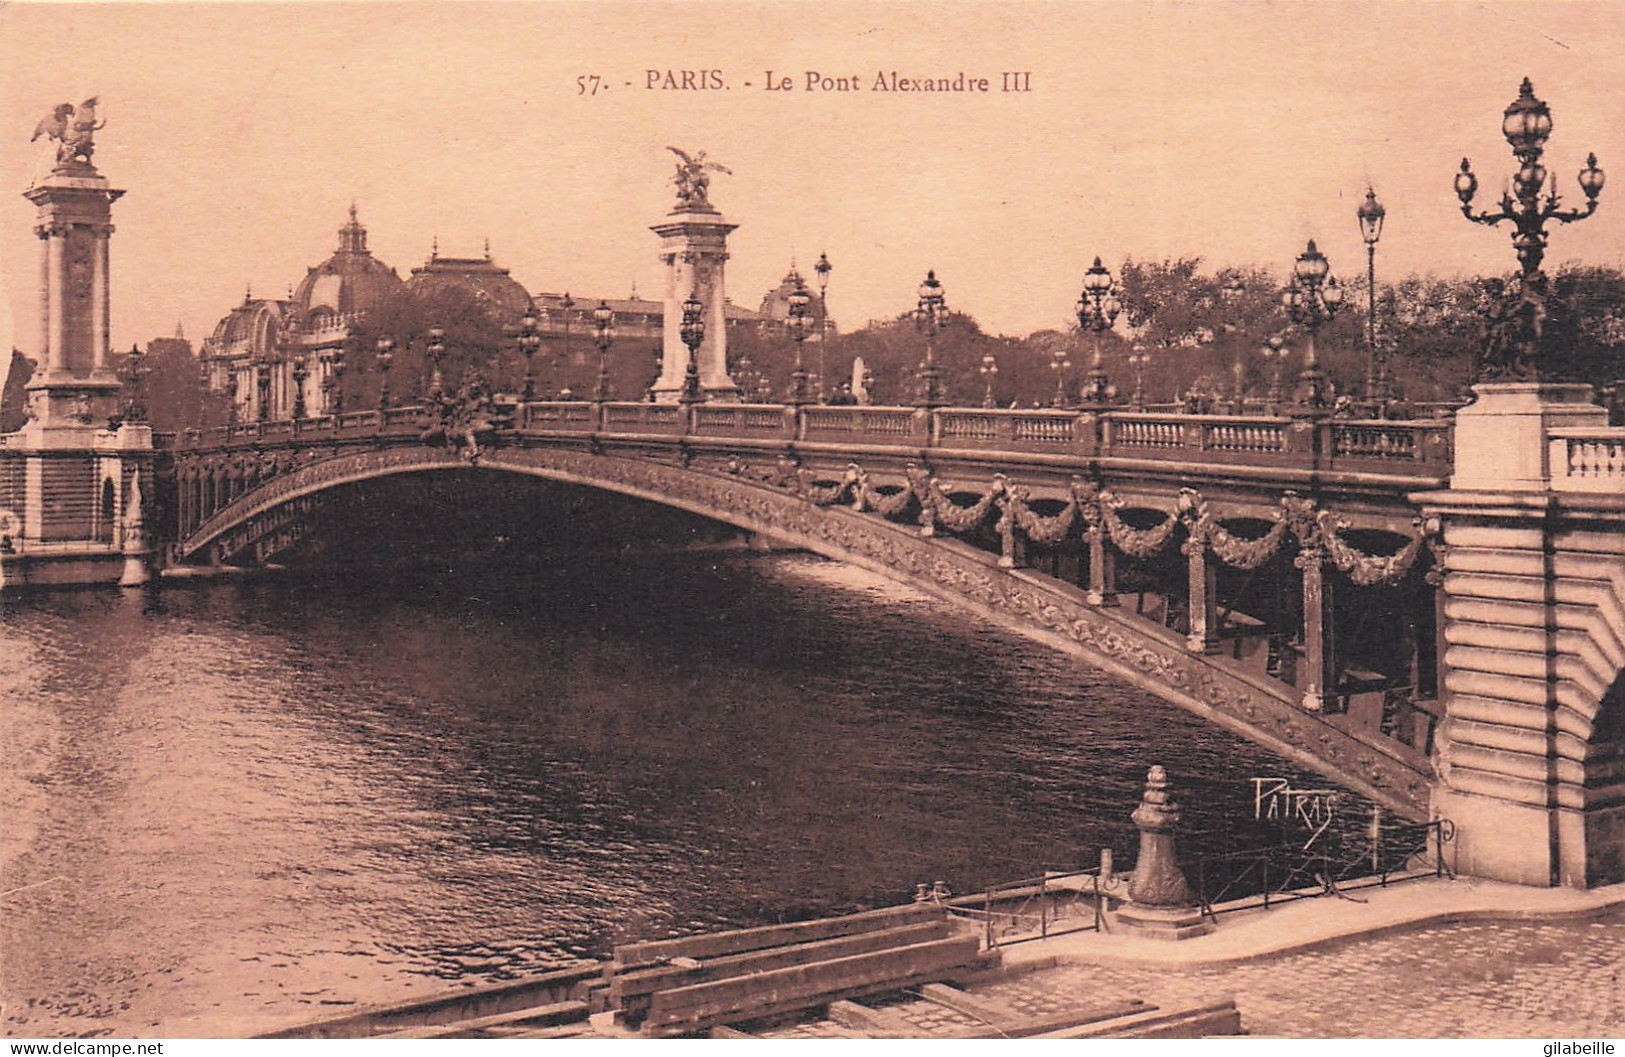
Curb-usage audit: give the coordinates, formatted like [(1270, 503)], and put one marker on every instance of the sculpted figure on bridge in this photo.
[(691, 179), (465, 418), (74, 131)]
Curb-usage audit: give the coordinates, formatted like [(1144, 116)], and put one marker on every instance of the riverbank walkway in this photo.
[(1426, 959)]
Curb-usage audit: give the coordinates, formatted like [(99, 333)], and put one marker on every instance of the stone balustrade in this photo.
[(1588, 459), (1421, 448)]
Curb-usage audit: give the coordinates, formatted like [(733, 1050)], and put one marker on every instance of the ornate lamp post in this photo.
[(822, 270), (529, 342), (1312, 298), (603, 321), (336, 366), (1098, 307), (798, 324), (693, 334), (1060, 363), (1526, 124), (437, 349), (988, 370), (1274, 353), (262, 386), (386, 357), (130, 376), (1371, 214), (1139, 357), (931, 314), (566, 304), (300, 372)]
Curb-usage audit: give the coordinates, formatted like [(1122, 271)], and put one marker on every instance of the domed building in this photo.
[(490, 285), (276, 356)]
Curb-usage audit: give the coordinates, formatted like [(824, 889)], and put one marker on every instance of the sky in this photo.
[(1233, 131)]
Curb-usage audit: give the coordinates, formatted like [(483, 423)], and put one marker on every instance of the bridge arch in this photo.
[(755, 500)]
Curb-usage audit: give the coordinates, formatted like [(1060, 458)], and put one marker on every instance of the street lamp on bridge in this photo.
[(692, 332), (529, 342), (988, 370), (301, 371), (386, 357), (334, 382), (1139, 358), (1098, 307), (1312, 299), (1060, 363), (1515, 353), (798, 323), (931, 314), (1274, 352), (603, 321), (1371, 214), (437, 349), (822, 269)]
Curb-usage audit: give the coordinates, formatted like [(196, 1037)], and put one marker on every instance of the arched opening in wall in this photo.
[(1152, 579), (1386, 679), (1064, 555), (107, 511), (1605, 790), (1257, 603)]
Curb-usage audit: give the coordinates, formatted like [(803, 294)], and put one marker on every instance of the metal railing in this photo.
[(1035, 908), (1330, 865)]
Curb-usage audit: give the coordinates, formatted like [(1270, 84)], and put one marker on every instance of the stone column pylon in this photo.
[(694, 249), (75, 389)]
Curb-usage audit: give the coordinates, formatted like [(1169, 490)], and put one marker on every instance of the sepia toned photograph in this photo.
[(787, 520)]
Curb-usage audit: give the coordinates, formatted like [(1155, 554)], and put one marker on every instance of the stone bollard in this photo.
[(1160, 905)]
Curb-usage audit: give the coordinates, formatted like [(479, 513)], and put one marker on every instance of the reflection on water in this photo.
[(231, 806)]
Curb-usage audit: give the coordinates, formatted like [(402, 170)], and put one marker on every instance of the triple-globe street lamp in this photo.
[(1098, 307), (988, 370), (1274, 353), (1526, 123), (1311, 300)]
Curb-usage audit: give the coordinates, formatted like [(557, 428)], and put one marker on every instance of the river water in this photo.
[(230, 806)]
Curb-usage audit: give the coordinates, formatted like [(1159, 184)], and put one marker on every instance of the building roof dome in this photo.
[(489, 284), (351, 281)]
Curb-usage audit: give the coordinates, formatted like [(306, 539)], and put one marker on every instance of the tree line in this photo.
[(1194, 327)]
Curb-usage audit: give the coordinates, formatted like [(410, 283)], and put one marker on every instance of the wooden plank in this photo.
[(535, 1017), (723, 1031), (627, 988), (985, 1008), (871, 1022), (1042, 1027), (447, 1006), (797, 987), (716, 944), (1218, 1018)]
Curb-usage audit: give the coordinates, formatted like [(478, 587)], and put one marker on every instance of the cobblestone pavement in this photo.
[(1480, 980)]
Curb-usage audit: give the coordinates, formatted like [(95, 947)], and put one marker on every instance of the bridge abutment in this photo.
[(1529, 755), (68, 477)]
